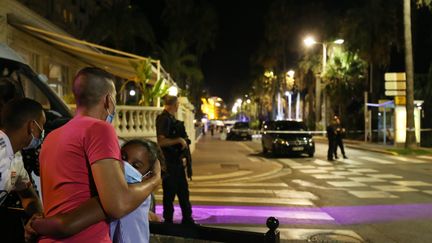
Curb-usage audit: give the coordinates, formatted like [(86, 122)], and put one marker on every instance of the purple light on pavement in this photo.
[(343, 215), (379, 213)]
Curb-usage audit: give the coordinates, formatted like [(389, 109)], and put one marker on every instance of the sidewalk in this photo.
[(368, 146)]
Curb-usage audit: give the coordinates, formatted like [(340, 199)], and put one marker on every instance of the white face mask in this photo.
[(110, 117)]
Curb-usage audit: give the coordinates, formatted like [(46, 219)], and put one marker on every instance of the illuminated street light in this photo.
[(291, 73), (132, 92), (173, 91), (339, 41), (309, 41), (248, 101)]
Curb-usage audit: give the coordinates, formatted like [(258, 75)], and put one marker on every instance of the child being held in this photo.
[(140, 156)]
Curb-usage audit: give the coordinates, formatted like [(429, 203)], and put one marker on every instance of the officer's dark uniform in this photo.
[(175, 182), (331, 141), (339, 142)]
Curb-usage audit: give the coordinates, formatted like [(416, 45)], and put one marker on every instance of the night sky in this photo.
[(241, 29)]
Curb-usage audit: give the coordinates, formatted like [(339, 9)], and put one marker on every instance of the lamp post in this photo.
[(310, 41)]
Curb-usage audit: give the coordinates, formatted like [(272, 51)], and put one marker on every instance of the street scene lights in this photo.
[(309, 42)]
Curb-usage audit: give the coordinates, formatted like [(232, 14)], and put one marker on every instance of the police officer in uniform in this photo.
[(22, 127), (331, 136), (172, 144)]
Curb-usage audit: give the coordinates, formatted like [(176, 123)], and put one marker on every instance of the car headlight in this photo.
[(280, 141)]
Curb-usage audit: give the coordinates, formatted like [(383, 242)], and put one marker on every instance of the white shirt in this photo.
[(13, 175)]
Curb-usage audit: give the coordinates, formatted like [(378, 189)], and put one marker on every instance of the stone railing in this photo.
[(140, 121), (136, 121)]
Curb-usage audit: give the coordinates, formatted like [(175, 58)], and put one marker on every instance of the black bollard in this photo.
[(273, 234)]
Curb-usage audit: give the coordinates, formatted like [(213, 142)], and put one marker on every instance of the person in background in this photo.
[(339, 135), (331, 136), (22, 127), (172, 144)]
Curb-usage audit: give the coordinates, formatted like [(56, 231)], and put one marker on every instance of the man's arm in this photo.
[(116, 196), (30, 201), (72, 222), (166, 142)]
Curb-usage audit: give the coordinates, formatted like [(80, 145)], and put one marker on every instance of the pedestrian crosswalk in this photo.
[(356, 178)]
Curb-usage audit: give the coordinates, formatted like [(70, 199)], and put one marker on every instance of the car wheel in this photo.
[(311, 154)]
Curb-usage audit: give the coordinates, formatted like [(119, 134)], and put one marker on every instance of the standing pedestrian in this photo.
[(172, 144), (339, 135), (331, 136)]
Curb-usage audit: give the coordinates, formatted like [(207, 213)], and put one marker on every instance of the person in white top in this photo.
[(22, 127)]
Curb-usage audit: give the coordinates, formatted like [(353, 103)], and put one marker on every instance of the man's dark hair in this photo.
[(170, 100), (90, 85), (19, 111)]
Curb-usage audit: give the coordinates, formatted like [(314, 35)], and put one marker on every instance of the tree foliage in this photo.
[(143, 82), (121, 26), (345, 77)]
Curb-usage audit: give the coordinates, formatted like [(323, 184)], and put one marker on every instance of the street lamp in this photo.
[(310, 41), (173, 91)]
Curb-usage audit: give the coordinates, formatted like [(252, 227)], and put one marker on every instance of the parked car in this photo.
[(34, 86), (287, 137), (240, 131)]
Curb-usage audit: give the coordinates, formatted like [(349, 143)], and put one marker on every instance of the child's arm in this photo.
[(70, 223)]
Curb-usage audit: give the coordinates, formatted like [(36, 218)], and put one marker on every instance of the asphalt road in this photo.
[(369, 197)]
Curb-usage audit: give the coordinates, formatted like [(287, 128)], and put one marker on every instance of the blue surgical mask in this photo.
[(132, 174), (36, 142), (110, 117)]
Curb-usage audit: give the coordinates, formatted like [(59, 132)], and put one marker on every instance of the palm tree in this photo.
[(121, 26), (194, 22), (181, 65), (410, 141)]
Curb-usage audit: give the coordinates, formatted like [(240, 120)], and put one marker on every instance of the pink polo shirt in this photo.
[(65, 160)]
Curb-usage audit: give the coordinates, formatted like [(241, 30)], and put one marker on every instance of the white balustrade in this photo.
[(136, 121), (140, 121)]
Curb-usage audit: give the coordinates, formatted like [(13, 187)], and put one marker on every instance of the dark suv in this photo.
[(240, 131), (287, 137)]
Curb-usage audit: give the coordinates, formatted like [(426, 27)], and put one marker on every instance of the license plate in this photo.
[(297, 148), (244, 134)]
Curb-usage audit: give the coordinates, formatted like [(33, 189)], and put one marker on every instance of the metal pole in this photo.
[(385, 124), (298, 106), (289, 105), (365, 116), (324, 65)]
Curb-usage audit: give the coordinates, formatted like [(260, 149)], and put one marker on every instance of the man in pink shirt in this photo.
[(82, 159)]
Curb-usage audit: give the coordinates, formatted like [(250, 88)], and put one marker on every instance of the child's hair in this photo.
[(152, 147)]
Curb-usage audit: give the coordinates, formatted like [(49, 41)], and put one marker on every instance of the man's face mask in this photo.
[(36, 142), (110, 117)]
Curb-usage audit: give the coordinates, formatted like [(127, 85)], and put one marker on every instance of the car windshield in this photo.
[(241, 125), (288, 126)]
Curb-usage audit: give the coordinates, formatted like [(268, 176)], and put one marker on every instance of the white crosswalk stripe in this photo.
[(426, 157), (379, 161), (405, 159)]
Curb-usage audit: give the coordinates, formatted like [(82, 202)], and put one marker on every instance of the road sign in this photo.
[(395, 93), (400, 100), (395, 85), (394, 76)]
